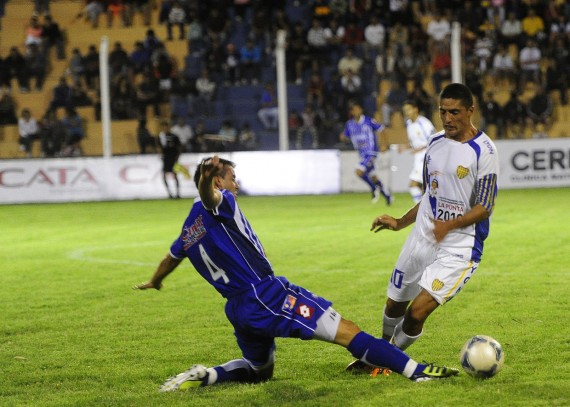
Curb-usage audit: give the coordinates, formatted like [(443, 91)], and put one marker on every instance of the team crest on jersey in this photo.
[(462, 172), (437, 285), (305, 311), (289, 303)]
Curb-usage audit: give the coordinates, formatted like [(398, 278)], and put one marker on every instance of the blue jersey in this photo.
[(362, 133), (223, 247)]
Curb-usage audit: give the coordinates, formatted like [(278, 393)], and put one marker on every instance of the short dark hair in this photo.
[(411, 102), (198, 172), (458, 91)]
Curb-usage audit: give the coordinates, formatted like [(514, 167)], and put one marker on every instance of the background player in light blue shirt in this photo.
[(222, 246), (364, 133)]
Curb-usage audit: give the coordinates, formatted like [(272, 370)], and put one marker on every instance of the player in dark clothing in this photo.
[(171, 148), (223, 247)]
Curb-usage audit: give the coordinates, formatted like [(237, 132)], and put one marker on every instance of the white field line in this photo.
[(88, 254)]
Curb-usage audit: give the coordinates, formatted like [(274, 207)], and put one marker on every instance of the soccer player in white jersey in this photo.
[(419, 129), (445, 246), (364, 133)]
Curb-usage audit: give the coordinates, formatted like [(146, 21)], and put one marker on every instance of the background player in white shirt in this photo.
[(445, 246), (419, 129)]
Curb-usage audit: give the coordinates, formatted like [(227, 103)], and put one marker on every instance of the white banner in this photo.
[(140, 176)]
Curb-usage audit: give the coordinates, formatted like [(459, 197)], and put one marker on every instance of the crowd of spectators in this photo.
[(336, 50)]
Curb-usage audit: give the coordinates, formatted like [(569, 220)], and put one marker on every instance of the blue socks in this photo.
[(378, 352)]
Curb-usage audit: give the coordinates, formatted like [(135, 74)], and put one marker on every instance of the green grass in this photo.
[(74, 333)]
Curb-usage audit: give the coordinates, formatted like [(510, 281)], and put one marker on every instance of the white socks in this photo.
[(401, 339), (388, 325)]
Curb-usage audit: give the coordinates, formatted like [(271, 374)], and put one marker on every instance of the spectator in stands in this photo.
[(250, 62), (484, 49), (410, 66), (15, 67), (28, 131), (511, 30), (79, 96), (33, 32), (559, 29), (441, 66), (198, 143), (206, 89), (398, 37), (308, 125), (334, 34), (228, 137), (119, 62), (147, 94), (117, 9), (36, 65), (214, 60), (52, 135), (7, 109), (184, 132), (556, 79), (473, 79), (503, 65), (91, 12), (144, 137), (353, 37), (260, 30), (195, 30), (375, 38), (139, 59), (539, 112), (74, 132), (333, 88), (514, 113), (91, 68), (316, 38), (247, 139), (351, 84), (350, 62), (217, 25), (533, 26), (76, 68), (328, 124), (268, 113), (182, 96), (298, 56), (41, 7), (176, 17), (439, 32), (52, 36), (529, 60), (143, 7), (231, 65), (164, 70), (151, 42), (422, 99), (294, 122), (315, 91), (385, 66), (122, 98), (491, 114), (61, 95), (393, 102)]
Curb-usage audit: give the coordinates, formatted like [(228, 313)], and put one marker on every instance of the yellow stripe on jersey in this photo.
[(486, 191), (459, 280)]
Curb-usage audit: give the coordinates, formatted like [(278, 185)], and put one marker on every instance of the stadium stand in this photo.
[(238, 103)]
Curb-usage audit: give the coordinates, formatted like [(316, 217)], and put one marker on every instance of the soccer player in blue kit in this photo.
[(222, 246), (364, 133)]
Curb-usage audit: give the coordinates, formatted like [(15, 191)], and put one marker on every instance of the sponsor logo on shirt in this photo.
[(305, 311), (289, 303), (191, 234)]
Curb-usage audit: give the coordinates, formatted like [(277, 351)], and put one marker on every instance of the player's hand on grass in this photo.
[(384, 222)]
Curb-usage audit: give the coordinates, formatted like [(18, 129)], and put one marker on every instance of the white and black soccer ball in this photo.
[(482, 357)]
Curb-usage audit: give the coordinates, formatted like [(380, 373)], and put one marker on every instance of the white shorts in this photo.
[(424, 265), (327, 325), (418, 169)]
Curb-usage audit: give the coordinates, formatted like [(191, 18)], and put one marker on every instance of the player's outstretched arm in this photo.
[(165, 267), (388, 222)]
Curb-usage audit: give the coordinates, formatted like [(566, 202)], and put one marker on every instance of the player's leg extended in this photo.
[(410, 328), (380, 353)]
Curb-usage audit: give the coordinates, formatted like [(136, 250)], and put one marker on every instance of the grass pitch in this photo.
[(74, 333)]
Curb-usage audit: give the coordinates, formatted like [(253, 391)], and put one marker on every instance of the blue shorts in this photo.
[(367, 164), (274, 307)]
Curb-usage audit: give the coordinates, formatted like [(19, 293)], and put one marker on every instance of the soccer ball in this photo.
[(482, 357)]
